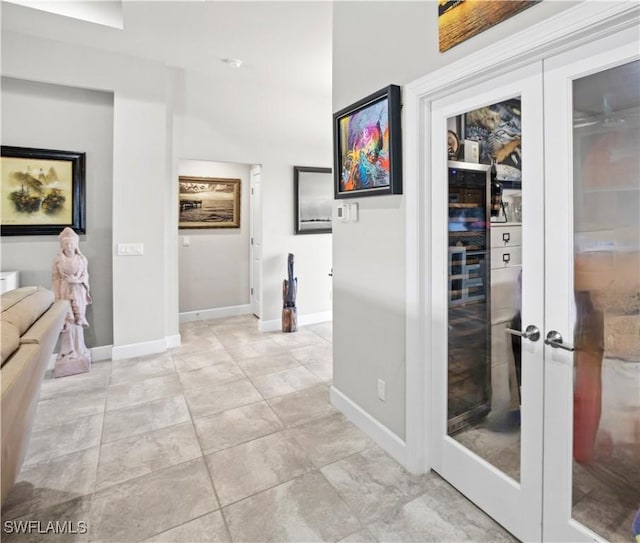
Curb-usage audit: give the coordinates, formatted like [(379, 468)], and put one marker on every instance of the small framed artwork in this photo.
[(42, 191), (313, 200), (367, 146), (209, 202)]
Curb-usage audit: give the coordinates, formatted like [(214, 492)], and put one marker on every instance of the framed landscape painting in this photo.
[(209, 202), (367, 146), (459, 20), (42, 191), (313, 200)]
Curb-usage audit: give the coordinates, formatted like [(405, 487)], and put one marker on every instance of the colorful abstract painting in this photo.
[(365, 148), (368, 145), (459, 20)]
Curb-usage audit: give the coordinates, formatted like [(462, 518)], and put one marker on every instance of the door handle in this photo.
[(531, 333), (554, 339)]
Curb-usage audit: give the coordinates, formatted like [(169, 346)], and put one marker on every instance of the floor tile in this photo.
[(250, 347), (416, 522), (145, 417), (373, 484), (135, 456), (303, 406), (83, 383), (76, 435), (322, 370), (60, 480), (201, 359), (206, 529), (235, 426), (207, 401), (330, 438), (301, 338), (61, 410), (440, 514), (129, 394), (246, 469), (74, 515), (323, 329), (262, 365), (363, 536), (136, 369), (211, 376), (145, 506), (322, 352), (305, 509), (284, 382)]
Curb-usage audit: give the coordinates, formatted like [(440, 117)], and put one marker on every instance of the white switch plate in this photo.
[(130, 249)]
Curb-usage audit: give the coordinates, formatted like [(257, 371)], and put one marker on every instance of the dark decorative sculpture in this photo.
[(289, 290)]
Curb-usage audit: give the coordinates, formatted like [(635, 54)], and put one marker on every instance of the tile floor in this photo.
[(230, 437)]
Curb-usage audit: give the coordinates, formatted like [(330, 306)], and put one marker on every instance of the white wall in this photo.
[(368, 257), (291, 129), (214, 268), (64, 118), (140, 178)]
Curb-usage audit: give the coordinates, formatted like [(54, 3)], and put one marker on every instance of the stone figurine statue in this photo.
[(71, 282)]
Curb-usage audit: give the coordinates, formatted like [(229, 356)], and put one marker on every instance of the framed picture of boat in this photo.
[(313, 200), (42, 191), (208, 202)]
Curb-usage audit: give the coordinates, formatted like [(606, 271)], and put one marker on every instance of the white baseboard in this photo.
[(173, 341), (384, 437), (215, 313), (120, 352), (101, 353), (303, 320)]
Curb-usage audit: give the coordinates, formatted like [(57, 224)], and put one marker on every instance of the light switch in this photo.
[(130, 249)]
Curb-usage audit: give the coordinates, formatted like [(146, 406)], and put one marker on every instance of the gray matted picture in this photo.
[(313, 200)]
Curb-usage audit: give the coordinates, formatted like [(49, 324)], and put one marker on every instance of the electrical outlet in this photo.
[(382, 390)]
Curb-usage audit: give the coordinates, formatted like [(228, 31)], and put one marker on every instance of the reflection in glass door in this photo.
[(606, 416), (592, 291), (485, 238)]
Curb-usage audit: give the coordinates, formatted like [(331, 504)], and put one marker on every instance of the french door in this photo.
[(536, 293), (592, 291)]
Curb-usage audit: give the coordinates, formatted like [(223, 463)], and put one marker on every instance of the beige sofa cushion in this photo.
[(10, 339), (23, 306)]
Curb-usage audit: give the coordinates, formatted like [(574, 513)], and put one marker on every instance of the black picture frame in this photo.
[(312, 200), (368, 134), (42, 191)]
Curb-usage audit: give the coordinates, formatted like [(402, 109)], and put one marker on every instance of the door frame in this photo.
[(255, 240), (573, 27)]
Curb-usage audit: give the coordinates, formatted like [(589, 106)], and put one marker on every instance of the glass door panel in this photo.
[(592, 291), (487, 373), (606, 185)]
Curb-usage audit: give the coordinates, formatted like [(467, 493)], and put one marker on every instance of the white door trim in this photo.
[(575, 26)]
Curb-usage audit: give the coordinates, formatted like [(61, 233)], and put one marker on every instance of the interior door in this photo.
[(487, 292), (592, 288), (255, 242)]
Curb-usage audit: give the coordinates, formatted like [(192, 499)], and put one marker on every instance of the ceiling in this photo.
[(285, 44)]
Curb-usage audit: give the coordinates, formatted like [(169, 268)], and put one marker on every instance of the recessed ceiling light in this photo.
[(235, 62)]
